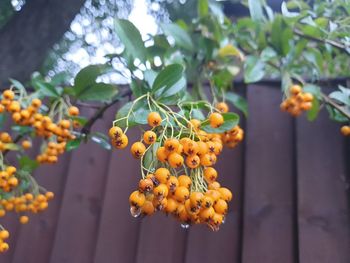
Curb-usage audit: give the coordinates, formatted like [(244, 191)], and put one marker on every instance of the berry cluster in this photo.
[(8, 180), (176, 165), (4, 234), (19, 192), (297, 102)]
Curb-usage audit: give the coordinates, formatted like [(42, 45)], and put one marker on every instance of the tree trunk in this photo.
[(26, 39)]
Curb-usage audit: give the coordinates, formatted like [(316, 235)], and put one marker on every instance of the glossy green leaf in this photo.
[(87, 77), (131, 38), (238, 101), (27, 164), (181, 37), (98, 92), (313, 112), (101, 139), (254, 69), (167, 79), (73, 144)]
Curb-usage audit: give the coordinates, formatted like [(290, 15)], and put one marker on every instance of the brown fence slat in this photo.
[(324, 216), (118, 231), (161, 240), (35, 240), (203, 245), (268, 200), (81, 206)]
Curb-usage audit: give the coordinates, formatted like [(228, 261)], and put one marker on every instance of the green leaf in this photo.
[(44, 89), (254, 69), (27, 164), (281, 34), (203, 8), (238, 101), (181, 37), (230, 120), (3, 119), (267, 54), (313, 89), (73, 144), (138, 114), (17, 84), (130, 36), (169, 80), (98, 92), (101, 139), (11, 146), (256, 10), (21, 130), (87, 77), (315, 109)]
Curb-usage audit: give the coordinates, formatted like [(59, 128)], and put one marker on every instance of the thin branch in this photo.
[(99, 113), (333, 43), (330, 102)]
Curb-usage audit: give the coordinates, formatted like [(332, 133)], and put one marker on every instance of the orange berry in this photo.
[(149, 137), (14, 106), (206, 214), (4, 247), (162, 175), (172, 183), (137, 199), (145, 185), (154, 119), (185, 181), (73, 111), (308, 97), (171, 206), (36, 103), (138, 149), (121, 142), (207, 201), (202, 148), (115, 132), (210, 174), (196, 199), (195, 124), (222, 107), (24, 220), (49, 195), (208, 159), (221, 207), (216, 120), (226, 194), (191, 147), (175, 160), (192, 161), (147, 208), (8, 94), (171, 145), (182, 193), (345, 130), (295, 89), (161, 191), (306, 106), (162, 154), (26, 144), (4, 234)]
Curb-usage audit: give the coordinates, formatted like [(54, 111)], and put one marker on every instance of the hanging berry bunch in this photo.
[(297, 101), (177, 155), (30, 118)]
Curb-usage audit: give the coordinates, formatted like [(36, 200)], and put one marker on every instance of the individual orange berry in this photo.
[(4, 234), (145, 185), (26, 144), (206, 214), (162, 175), (208, 159), (4, 247), (13, 181), (162, 154), (115, 132), (149, 137), (2, 108), (73, 111), (184, 140), (65, 124), (171, 206), (182, 193), (147, 208), (306, 106), (214, 186), (138, 149), (14, 106), (308, 97), (191, 147), (295, 89), (192, 161), (5, 137), (207, 201), (121, 142), (222, 107), (216, 120), (202, 148), (8, 94), (214, 194), (210, 174), (137, 199), (2, 212), (196, 199), (161, 191), (49, 195), (195, 124), (185, 181), (175, 160), (221, 207), (171, 145), (172, 183), (154, 119), (36, 103), (24, 220), (226, 194), (345, 130)]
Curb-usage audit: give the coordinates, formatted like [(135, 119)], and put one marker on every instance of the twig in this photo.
[(330, 102), (99, 113), (326, 41)]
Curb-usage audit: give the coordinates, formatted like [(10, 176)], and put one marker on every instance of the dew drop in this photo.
[(185, 226), (134, 211)]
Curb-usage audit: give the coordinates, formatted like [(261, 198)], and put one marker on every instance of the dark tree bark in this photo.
[(26, 39)]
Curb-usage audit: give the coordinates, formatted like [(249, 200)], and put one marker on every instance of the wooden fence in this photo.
[(290, 178)]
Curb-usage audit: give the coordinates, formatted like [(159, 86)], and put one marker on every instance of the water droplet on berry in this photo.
[(135, 211), (223, 220), (185, 226)]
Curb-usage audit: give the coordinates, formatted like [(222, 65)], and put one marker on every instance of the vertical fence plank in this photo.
[(324, 230), (118, 231), (35, 240), (80, 211), (203, 245), (268, 202)]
